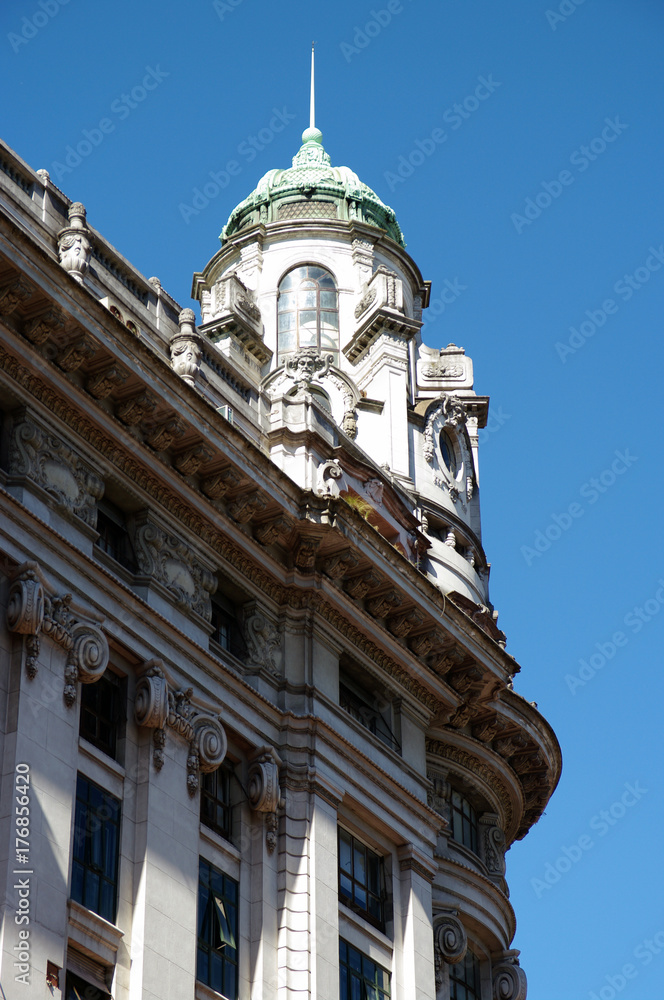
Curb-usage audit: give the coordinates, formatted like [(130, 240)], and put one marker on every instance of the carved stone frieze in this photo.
[(263, 790), (74, 246), (13, 294), (169, 561), (470, 762), (509, 979), (262, 639), (43, 458), (367, 299)]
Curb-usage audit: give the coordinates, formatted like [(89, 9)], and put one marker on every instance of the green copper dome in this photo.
[(312, 189)]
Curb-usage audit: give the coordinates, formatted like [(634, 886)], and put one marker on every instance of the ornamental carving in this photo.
[(440, 370), (327, 479), (263, 790), (269, 532), (381, 606), (164, 434), (13, 294), (170, 562), (25, 612), (217, 485), (367, 299), (509, 979), (135, 409), (244, 508), (449, 942), (492, 846), (186, 349), (157, 706), (46, 324), (46, 460), (74, 246), (307, 365), (305, 551), (71, 357), (189, 461), (262, 640), (470, 762), (338, 565), (359, 586), (87, 659), (102, 383), (449, 412)]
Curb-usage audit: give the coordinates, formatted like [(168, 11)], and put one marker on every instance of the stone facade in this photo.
[(257, 715)]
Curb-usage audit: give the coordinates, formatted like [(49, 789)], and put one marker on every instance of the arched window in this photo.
[(464, 822), (308, 311), (448, 451)]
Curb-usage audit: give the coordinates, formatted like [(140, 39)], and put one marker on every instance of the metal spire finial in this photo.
[(312, 99)]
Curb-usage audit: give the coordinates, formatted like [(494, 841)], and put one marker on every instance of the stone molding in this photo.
[(450, 942), (262, 640), (45, 459)]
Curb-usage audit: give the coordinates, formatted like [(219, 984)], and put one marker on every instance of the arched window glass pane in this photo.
[(308, 311)]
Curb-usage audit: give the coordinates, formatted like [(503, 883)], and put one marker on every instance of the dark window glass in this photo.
[(94, 881), (361, 880), (465, 978), (374, 716), (217, 954), (359, 977), (114, 537), (226, 630), (215, 801), (448, 452), (102, 710), (78, 989), (464, 822), (308, 311)]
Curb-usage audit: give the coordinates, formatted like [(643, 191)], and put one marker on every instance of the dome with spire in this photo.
[(312, 189)]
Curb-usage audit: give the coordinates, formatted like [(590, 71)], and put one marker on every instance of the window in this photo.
[(361, 879), (94, 880), (79, 989), (308, 311), (448, 452), (367, 706), (114, 537), (102, 704), (216, 961), (359, 977), (216, 801), (226, 630), (465, 978), (464, 822)]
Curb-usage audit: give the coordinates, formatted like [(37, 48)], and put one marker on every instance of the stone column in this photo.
[(415, 959)]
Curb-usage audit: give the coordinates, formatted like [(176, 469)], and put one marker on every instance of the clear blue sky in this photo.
[(569, 116)]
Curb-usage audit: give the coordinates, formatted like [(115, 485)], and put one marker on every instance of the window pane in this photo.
[(307, 300), (345, 862), (328, 300), (217, 930), (286, 321), (286, 301)]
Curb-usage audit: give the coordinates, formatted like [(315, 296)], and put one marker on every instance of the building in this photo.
[(259, 733)]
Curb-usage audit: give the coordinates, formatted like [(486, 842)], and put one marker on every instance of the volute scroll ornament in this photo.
[(509, 979), (450, 942), (151, 701), (25, 613), (262, 640), (87, 660), (263, 790)]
